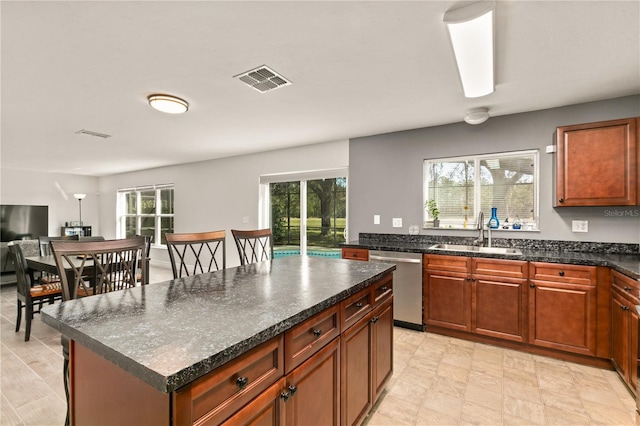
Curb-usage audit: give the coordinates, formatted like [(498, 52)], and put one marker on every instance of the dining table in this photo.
[(48, 264)]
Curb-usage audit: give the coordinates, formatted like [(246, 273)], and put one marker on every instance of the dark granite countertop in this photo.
[(628, 264), (170, 333)]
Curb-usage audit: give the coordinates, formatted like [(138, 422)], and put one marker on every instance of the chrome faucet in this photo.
[(480, 227)]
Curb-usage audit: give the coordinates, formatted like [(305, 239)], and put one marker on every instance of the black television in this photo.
[(23, 222)]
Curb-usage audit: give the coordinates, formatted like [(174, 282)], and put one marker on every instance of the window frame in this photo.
[(531, 226), (121, 227)]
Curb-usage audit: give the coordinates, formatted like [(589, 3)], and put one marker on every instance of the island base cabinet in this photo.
[(312, 394), (104, 394), (266, 410), (367, 362)]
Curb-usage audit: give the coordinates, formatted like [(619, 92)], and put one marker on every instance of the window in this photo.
[(145, 211), (307, 212), (464, 186)]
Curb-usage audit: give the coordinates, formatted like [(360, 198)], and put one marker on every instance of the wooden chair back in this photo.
[(45, 243), (98, 266), (253, 246), (197, 253)]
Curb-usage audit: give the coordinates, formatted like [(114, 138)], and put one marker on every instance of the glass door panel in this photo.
[(326, 216), (285, 218)]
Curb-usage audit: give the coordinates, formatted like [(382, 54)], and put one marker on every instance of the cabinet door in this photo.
[(356, 353), (597, 164), (447, 300), (382, 344), (563, 316), (498, 307), (620, 335), (633, 349), (314, 389), (265, 410)]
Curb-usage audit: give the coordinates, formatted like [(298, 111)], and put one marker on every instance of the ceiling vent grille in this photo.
[(263, 79), (92, 133)]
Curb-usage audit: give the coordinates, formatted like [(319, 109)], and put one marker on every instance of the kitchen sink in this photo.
[(476, 249)]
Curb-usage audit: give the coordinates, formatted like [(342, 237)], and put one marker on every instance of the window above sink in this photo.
[(461, 187)]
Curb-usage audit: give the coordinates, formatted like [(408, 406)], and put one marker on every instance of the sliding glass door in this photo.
[(307, 215)]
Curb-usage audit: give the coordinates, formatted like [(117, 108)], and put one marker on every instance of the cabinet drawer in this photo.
[(355, 253), (382, 290), (310, 336), (215, 396), (355, 307), (440, 262), (574, 274), (626, 285), (499, 267)]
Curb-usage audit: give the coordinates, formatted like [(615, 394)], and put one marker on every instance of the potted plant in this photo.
[(434, 213)]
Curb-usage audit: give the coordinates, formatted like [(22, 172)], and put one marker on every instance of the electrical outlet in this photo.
[(376, 219), (579, 226), (245, 219), (397, 222)]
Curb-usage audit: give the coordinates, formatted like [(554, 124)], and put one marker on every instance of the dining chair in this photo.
[(253, 246), (109, 264), (197, 253), (28, 291), (95, 267), (45, 243), (145, 259)]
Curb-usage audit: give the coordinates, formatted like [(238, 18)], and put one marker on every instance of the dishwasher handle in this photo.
[(394, 259)]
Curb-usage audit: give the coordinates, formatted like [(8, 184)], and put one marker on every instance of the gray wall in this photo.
[(385, 172)]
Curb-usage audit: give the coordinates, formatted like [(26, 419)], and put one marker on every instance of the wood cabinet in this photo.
[(562, 307), (355, 253), (447, 291), (597, 164), (624, 327), (499, 298), (367, 357), (481, 295)]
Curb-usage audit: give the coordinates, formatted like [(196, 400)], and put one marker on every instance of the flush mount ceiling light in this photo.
[(477, 115), (168, 104), (471, 33)]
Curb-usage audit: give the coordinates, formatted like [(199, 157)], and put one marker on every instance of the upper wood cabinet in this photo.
[(597, 164)]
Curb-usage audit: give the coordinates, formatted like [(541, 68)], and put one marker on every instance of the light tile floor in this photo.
[(437, 380)]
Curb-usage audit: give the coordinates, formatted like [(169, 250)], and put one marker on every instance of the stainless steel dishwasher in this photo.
[(407, 286)]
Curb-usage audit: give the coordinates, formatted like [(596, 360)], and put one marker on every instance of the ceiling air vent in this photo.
[(263, 79), (92, 133)]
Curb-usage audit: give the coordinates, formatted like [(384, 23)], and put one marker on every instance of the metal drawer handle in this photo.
[(384, 288), (242, 382), (317, 332), (359, 305), (561, 273)]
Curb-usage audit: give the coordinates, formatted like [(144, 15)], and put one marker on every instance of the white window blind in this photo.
[(464, 186)]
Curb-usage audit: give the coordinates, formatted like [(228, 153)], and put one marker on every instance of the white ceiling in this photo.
[(358, 68)]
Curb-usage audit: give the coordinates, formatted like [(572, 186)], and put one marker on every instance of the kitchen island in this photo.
[(143, 349)]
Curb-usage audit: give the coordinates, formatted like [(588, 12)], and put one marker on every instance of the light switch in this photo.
[(397, 222), (376, 219), (579, 226)]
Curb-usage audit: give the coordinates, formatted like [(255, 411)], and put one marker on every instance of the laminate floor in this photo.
[(437, 380)]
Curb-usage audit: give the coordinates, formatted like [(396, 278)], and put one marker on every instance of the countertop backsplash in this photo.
[(528, 244)]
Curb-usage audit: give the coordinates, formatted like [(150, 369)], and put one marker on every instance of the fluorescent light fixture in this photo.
[(471, 33), (477, 115), (168, 104)]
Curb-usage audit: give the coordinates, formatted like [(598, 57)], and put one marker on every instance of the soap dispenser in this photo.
[(494, 222)]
